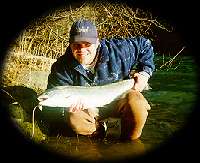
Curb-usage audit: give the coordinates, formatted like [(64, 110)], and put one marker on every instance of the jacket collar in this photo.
[(80, 69)]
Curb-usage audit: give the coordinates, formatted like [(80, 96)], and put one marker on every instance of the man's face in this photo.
[(84, 52)]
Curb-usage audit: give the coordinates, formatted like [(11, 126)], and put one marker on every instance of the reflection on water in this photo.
[(172, 97), (84, 148)]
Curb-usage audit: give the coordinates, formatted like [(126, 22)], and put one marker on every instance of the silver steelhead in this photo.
[(92, 96)]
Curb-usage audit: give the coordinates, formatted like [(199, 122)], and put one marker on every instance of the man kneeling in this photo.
[(89, 61)]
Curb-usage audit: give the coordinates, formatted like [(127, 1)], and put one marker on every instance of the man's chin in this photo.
[(82, 62)]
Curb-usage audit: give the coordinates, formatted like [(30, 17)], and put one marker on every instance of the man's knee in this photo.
[(134, 115), (137, 100), (134, 103)]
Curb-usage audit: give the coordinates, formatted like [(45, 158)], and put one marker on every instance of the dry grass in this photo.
[(30, 57), (43, 41)]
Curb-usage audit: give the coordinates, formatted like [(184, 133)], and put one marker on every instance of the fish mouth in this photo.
[(67, 96), (43, 98)]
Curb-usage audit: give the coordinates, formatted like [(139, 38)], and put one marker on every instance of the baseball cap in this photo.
[(83, 30)]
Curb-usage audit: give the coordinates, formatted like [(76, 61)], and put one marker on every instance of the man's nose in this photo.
[(80, 49)]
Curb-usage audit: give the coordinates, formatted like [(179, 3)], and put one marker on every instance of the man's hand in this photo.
[(77, 106), (140, 82)]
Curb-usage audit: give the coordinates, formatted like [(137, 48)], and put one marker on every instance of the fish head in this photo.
[(57, 100), (43, 99)]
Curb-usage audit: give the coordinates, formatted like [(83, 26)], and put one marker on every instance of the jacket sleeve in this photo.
[(144, 57)]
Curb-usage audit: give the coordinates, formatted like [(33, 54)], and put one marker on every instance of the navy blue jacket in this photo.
[(117, 57)]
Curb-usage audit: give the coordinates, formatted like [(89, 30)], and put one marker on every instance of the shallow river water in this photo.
[(172, 98)]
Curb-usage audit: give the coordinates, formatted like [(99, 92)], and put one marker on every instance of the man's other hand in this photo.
[(140, 82)]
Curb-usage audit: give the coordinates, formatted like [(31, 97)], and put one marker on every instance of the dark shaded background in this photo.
[(183, 15)]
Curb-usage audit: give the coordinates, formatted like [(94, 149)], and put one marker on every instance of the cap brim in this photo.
[(91, 40)]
